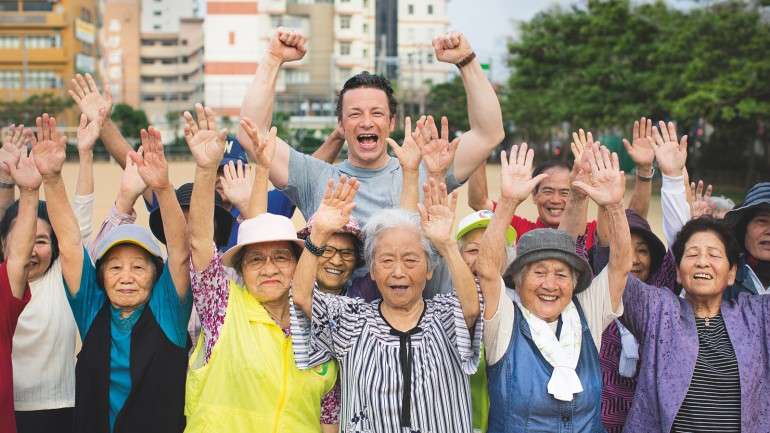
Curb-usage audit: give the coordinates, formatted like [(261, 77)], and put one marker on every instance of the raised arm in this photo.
[(331, 216), (14, 142), (49, 153), (641, 152), (285, 46), (237, 180), (153, 168), (21, 239), (331, 146), (437, 214), (516, 184), (263, 149), (438, 152), (671, 155), (484, 114), (409, 157), (478, 193), (576, 210), (606, 187), (207, 146), (87, 134)]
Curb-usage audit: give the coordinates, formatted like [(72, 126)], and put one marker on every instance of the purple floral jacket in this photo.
[(664, 324)]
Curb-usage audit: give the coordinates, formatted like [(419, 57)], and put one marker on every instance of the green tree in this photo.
[(26, 110), (129, 121), (448, 99), (174, 120)]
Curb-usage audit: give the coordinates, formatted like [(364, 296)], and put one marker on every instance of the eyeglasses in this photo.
[(347, 255), (280, 258)]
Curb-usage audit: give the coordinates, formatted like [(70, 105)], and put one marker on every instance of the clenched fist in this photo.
[(287, 46), (451, 47)]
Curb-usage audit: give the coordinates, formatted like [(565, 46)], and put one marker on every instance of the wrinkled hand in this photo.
[(131, 183), (581, 168), (50, 150), (670, 154), (608, 183), (237, 181), (25, 172), (206, 144), (641, 147), (437, 213), (151, 164), (336, 206), (408, 153), (14, 143), (701, 204), (86, 94), (451, 47), (88, 132), (263, 144), (516, 182), (438, 152), (287, 46)]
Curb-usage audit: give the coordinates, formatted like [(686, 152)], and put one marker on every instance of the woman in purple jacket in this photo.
[(705, 362)]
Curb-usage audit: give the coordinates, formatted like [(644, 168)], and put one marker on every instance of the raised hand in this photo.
[(131, 183), (581, 168), (88, 132), (86, 94), (437, 213), (14, 139), (206, 144), (608, 183), (263, 144), (287, 46), (151, 164), (670, 153), (336, 206), (24, 172), (438, 152), (451, 47), (701, 204), (237, 181), (50, 149), (640, 149), (516, 182), (408, 153)]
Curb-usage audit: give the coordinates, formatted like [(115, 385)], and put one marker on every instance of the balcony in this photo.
[(167, 52), (349, 7), (41, 56), (160, 70), (161, 88), (32, 19)]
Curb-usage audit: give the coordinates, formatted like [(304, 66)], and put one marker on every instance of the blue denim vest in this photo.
[(518, 399)]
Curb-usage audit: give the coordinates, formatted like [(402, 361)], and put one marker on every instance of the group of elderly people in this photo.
[(372, 318)]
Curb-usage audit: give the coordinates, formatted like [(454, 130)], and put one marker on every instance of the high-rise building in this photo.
[(419, 21), (120, 40), (43, 43)]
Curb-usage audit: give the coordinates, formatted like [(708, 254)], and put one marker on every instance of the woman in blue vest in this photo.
[(541, 347), (131, 308)]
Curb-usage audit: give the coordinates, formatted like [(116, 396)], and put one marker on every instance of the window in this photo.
[(148, 98), (366, 53), (344, 48), (156, 13), (428, 57), (43, 41), (410, 9), (9, 42), (294, 76), (345, 21), (366, 28), (344, 1), (430, 9), (9, 6), (43, 80), (86, 15), (10, 79), (366, 4), (156, 27), (146, 61), (148, 80), (37, 6), (147, 43), (345, 73), (276, 21)]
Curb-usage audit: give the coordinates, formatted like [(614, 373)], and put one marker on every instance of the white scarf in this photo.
[(563, 354), (629, 351)]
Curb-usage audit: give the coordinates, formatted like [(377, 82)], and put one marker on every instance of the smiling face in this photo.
[(470, 244), (705, 270), (546, 288), (128, 275), (551, 196), (42, 252), (400, 267), (333, 272), (757, 240), (268, 269), (642, 258), (367, 122)]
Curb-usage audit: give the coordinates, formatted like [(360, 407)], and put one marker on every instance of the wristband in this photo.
[(646, 178), (7, 185), (467, 59), (313, 248)]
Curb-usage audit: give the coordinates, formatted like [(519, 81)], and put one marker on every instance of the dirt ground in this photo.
[(107, 180)]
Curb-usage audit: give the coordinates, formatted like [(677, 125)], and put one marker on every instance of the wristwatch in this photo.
[(646, 178), (313, 248), (467, 59)]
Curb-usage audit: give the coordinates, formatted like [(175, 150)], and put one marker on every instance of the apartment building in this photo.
[(419, 21), (43, 44)]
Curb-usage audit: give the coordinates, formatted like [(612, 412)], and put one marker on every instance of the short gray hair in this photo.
[(387, 219), (520, 276)]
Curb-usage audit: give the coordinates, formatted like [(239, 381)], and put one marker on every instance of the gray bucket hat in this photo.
[(544, 244)]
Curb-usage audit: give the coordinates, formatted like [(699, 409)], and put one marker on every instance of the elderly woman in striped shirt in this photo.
[(404, 361)]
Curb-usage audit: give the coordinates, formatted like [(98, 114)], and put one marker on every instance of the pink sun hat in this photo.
[(260, 229)]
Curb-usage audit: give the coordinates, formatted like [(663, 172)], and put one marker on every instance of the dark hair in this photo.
[(707, 224), (547, 165), (42, 212), (156, 261), (367, 80)]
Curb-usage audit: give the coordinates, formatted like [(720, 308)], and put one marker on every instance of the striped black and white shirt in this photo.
[(713, 401), (373, 360)]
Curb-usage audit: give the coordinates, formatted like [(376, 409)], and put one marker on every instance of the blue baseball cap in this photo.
[(233, 151)]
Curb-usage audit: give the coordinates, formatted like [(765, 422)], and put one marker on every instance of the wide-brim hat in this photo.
[(263, 228), (757, 199), (480, 220), (638, 225), (127, 234), (544, 244), (224, 219)]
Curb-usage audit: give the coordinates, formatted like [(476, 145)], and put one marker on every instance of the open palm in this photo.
[(516, 182), (607, 184), (640, 149), (206, 144), (408, 153), (437, 212), (263, 144), (88, 132), (438, 152), (670, 153), (49, 152), (152, 165), (85, 93), (25, 173), (336, 206)]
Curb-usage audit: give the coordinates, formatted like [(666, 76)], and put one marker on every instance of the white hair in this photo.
[(387, 219)]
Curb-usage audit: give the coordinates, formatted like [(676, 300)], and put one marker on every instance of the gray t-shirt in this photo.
[(380, 189)]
